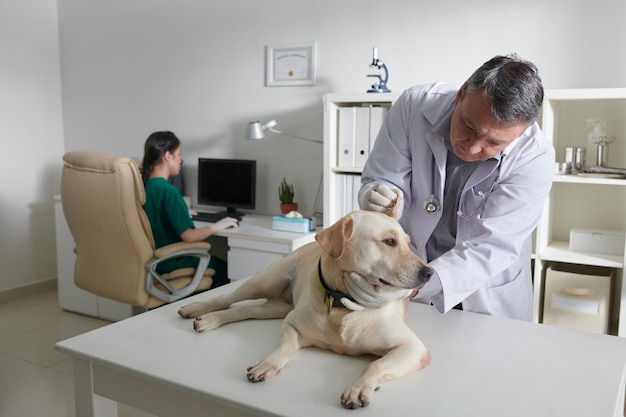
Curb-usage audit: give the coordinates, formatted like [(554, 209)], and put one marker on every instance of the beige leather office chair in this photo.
[(102, 198)]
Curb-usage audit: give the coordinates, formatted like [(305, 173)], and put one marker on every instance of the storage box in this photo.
[(578, 297), (293, 224), (596, 240)]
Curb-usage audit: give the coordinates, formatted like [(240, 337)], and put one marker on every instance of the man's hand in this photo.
[(368, 296), (380, 198)]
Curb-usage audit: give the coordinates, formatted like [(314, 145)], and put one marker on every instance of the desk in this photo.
[(254, 245), (481, 366)]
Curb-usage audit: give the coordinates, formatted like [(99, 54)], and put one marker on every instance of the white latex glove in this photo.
[(224, 223), (380, 198), (368, 295)]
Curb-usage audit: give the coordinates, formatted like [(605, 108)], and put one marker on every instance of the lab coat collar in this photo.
[(439, 114), (529, 132)]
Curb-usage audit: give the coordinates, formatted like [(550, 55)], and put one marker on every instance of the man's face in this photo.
[(474, 135)]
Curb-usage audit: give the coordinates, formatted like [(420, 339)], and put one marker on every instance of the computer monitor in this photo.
[(229, 183)]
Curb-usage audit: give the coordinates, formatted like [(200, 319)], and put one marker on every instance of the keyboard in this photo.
[(202, 216)]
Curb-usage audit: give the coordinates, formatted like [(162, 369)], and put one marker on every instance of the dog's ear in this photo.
[(333, 239), (393, 212)]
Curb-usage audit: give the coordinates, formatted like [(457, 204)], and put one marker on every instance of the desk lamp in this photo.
[(256, 131), (381, 86)]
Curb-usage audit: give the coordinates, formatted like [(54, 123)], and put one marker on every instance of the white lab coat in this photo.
[(488, 269)]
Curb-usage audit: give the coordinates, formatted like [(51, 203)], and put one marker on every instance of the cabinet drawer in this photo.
[(259, 245), (243, 263)]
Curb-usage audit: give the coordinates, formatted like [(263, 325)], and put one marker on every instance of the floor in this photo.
[(36, 380)]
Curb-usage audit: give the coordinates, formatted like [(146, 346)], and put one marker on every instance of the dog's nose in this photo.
[(425, 273)]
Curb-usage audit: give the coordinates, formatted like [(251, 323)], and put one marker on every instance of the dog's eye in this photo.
[(390, 242)]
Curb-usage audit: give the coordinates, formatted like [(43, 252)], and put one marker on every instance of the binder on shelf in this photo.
[(361, 135), (357, 129), (347, 197), (356, 186), (340, 192), (346, 136), (347, 194), (377, 116)]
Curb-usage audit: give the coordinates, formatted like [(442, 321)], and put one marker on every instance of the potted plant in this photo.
[(285, 195)]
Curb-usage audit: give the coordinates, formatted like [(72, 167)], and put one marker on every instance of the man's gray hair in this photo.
[(513, 86)]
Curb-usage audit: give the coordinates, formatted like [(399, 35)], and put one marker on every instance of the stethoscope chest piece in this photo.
[(431, 205)]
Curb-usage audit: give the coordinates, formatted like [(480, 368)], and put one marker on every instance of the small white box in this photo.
[(578, 297), (293, 224), (608, 242)]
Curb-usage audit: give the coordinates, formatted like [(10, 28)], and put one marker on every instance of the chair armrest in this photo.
[(180, 246), (196, 249)]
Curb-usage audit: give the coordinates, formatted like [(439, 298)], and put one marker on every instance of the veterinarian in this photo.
[(475, 170), (166, 209)]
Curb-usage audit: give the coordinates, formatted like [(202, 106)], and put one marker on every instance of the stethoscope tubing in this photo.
[(432, 205)]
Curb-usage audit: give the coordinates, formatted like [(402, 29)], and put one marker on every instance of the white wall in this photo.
[(32, 140), (196, 67)]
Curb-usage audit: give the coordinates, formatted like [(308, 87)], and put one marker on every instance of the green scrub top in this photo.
[(169, 218)]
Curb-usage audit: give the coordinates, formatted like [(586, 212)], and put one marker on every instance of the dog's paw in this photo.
[(205, 323), (260, 371), (357, 396), (191, 310)]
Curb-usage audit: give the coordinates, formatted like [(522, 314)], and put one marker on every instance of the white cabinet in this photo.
[(247, 257), (351, 123), (581, 202), (254, 245), (72, 298)]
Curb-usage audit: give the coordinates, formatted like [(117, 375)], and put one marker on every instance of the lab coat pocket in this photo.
[(512, 299)]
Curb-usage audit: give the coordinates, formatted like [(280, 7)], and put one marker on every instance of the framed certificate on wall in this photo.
[(290, 64)]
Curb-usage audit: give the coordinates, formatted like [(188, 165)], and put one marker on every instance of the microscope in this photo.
[(381, 86)]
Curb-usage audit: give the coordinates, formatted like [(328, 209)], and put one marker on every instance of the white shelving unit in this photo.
[(579, 202), (334, 175), (574, 202)]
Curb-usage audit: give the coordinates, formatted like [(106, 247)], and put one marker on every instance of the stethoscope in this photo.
[(433, 206)]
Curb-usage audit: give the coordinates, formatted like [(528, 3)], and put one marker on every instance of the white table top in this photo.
[(259, 227), (481, 366)]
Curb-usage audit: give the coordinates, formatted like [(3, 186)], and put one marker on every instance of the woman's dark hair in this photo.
[(513, 86), (157, 145)]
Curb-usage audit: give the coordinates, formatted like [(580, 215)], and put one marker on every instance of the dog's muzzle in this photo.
[(424, 275)]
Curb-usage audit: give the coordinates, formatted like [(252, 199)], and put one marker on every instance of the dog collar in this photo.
[(331, 297)]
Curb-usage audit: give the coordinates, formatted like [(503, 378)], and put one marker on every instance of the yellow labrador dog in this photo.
[(305, 288)]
